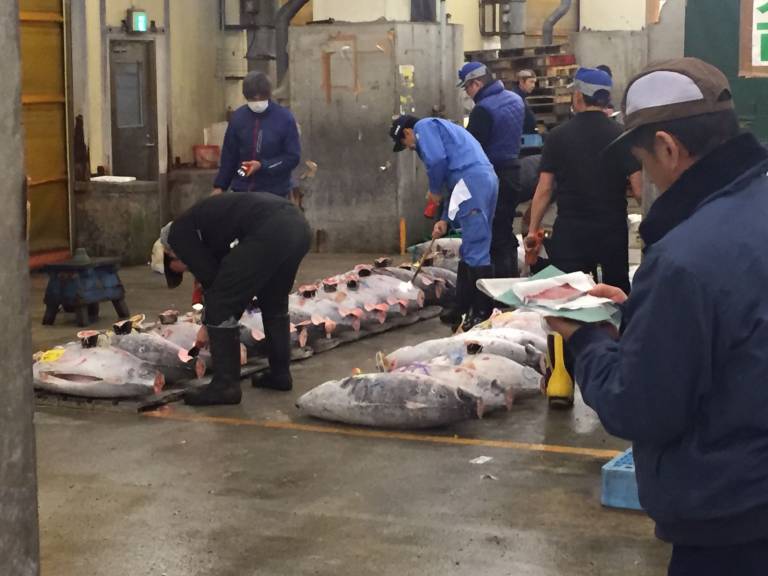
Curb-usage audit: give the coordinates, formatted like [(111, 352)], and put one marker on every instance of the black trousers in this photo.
[(582, 245), (262, 265), (504, 242), (742, 560)]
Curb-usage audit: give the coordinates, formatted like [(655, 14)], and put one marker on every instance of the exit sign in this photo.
[(137, 21)]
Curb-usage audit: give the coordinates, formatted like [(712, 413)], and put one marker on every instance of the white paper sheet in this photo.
[(459, 195)]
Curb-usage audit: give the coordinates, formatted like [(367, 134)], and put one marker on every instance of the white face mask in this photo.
[(259, 106)]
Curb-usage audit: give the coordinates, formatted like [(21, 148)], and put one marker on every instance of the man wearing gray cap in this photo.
[(591, 227), (685, 380)]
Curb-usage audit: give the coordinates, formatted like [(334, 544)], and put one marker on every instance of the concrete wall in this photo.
[(613, 14), (346, 84), (118, 219), (667, 38), (625, 52), (186, 188), (19, 541), (628, 52)]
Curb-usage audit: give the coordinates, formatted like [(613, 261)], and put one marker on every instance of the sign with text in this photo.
[(760, 33)]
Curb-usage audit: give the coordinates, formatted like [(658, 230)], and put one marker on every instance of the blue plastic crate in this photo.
[(532, 141), (620, 484)]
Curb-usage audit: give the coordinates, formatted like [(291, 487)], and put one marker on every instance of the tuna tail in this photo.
[(382, 363), (535, 358), (169, 317), (88, 338), (123, 327), (303, 337), (159, 382), (479, 405), (137, 321), (509, 393), (474, 348), (257, 335), (199, 368)]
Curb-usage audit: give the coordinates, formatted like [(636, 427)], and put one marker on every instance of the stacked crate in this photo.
[(554, 68)]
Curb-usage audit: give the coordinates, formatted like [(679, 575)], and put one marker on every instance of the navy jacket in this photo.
[(272, 138), (687, 381), (529, 124), (496, 122)]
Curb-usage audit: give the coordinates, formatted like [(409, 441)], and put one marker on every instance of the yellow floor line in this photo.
[(387, 435)]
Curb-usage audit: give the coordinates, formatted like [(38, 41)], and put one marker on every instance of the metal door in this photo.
[(44, 99), (134, 109)]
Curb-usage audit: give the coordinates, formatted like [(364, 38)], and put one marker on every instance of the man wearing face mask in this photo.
[(261, 147)]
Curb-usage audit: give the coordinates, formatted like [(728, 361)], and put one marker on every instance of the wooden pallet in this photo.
[(532, 51), (483, 56)]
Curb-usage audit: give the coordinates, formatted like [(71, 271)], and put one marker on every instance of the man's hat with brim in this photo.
[(591, 82), (173, 279), (471, 71), (671, 90), (399, 125)]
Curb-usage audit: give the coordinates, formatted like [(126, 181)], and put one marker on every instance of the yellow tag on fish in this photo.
[(52, 355)]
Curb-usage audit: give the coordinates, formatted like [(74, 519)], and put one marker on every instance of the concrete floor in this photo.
[(258, 490)]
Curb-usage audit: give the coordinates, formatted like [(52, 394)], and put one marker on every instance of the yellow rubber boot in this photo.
[(559, 381)]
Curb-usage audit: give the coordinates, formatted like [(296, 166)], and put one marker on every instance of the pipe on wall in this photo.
[(282, 22), (548, 31), (513, 19)]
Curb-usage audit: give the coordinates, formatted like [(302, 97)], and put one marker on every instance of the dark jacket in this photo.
[(270, 137), (204, 234), (529, 124), (496, 122), (687, 381)]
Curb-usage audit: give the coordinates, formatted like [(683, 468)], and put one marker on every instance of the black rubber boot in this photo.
[(225, 386), (464, 295), (278, 376), (482, 304)]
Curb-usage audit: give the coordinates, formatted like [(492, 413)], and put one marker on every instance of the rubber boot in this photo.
[(278, 341), (482, 304), (453, 316), (465, 292), (560, 389), (225, 386)]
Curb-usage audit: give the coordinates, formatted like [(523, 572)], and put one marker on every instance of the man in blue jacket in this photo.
[(456, 162), (261, 145), (496, 122), (687, 379)]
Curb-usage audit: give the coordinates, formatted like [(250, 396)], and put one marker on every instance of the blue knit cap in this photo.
[(471, 71)]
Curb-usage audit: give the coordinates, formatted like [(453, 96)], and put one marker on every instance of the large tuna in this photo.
[(522, 347), (184, 335), (524, 380), (392, 400), (495, 395), (172, 360), (101, 372)]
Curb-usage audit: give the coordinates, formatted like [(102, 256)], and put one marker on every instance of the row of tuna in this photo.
[(134, 360), (442, 381)]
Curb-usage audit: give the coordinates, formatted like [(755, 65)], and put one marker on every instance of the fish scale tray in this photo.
[(620, 484)]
